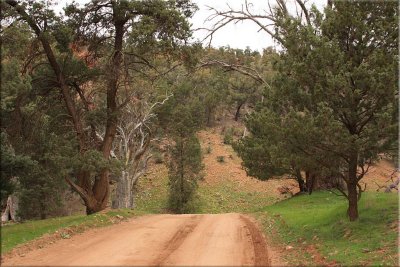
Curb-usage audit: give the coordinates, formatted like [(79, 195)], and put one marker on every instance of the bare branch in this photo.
[(239, 68), (78, 189), (235, 16), (305, 11)]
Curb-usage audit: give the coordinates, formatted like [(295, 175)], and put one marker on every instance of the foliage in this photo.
[(264, 152), (180, 118), (228, 136), (158, 157), (12, 166), (331, 108), (68, 72), (184, 169)]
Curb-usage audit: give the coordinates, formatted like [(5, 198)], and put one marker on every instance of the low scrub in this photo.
[(221, 159)]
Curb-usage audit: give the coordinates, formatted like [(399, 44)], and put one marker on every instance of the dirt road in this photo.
[(202, 240)]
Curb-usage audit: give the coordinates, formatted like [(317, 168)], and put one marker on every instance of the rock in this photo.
[(119, 217), (289, 248)]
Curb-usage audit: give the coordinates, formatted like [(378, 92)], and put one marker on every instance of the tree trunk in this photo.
[(237, 114), (210, 117), (300, 180), (352, 210), (310, 182), (352, 182), (124, 197), (10, 213)]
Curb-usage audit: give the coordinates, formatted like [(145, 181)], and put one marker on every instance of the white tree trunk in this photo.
[(10, 213), (124, 197)]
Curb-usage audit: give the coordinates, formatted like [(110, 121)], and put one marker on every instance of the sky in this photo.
[(243, 34), (240, 35)]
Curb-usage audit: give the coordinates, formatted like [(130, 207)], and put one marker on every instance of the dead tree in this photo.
[(131, 148)]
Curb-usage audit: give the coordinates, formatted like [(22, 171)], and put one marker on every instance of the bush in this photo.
[(221, 159), (228, 138), (208, 150), (158, 158), (229, 133)]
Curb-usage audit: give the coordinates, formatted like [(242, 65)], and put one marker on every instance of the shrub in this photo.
[(158, 158), (228, 138)]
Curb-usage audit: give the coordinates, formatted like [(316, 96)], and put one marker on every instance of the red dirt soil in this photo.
[(231, 169), (189, 240)]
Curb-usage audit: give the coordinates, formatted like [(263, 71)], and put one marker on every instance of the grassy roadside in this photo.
[(317, 229), (16, 234), (150, 200)]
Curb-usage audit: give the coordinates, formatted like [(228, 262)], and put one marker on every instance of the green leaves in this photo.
[(184, 168)]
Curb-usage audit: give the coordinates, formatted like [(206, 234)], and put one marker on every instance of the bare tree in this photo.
[(131, 148)]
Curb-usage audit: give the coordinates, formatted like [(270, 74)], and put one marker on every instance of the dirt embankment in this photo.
[(189, 240), (231, 168)]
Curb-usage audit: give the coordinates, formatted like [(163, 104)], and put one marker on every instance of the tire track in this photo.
[(260, 247), (176, 241)]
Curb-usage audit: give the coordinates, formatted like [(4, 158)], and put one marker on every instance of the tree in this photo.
[(102, 28), (264, 152), (132, 148), (181, 117), (335, 88), (184, 168), (30, 136)]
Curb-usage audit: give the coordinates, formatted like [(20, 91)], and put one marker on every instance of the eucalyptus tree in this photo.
[(131, 147), (86, 52)]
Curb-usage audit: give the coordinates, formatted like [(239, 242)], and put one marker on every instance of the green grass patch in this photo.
[(229, 197), (152, 192), (19, 233), (320, 220)]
